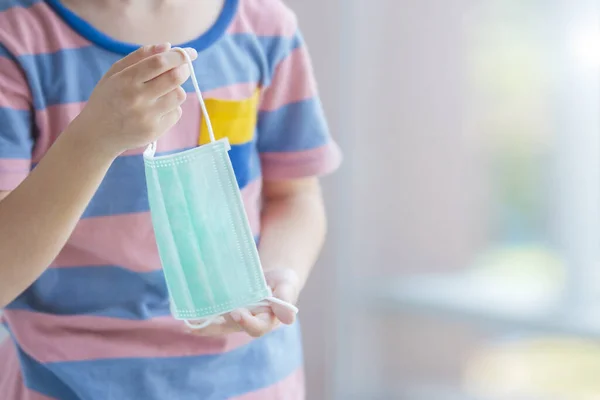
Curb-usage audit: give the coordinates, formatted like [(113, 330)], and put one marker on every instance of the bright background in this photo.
[(463, 256), (464, 244)]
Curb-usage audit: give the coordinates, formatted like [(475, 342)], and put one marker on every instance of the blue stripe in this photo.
[(293, 127), (16, 138), (16, 134), (260, 364), (69, 76), (41, 379), (246, 163), (276, 49), (106, 291), (6, 4), (123, 190), (5, 53), (66, 76), (95, 36)]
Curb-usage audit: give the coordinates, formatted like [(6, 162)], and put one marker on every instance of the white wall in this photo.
[(320, 22), (390, 74)]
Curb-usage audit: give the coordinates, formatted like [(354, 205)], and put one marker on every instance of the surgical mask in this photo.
[(208, 253)]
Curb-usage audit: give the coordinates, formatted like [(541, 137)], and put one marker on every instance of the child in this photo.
[(85, 300)]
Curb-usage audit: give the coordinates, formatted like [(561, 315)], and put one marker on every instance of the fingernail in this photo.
[(192, 52), (236, 315)]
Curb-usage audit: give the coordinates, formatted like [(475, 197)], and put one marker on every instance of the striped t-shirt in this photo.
[(96, 324)]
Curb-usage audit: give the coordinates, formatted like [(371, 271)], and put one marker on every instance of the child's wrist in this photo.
[(88, 144), (88, 140)]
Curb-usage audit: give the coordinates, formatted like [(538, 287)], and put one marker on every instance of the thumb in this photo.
[(137, 56), (287, 293)]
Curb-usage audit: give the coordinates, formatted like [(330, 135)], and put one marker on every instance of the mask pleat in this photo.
[(204, 204), (182, 225), (167, 246), (248, 270)]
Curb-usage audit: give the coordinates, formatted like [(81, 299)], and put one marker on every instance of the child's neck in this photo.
[(149, 21)]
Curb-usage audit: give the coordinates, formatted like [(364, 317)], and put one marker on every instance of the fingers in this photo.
[(261, 309), (255, 326), (226, 327), (230, 322), (253, 323), (288, 292), (283, 275), (137, 56), (156, 65), (284, 314), (168, 120), (166, 82), (170, 101), (240, 321)]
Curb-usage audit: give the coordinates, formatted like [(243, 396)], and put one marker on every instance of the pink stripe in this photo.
[(293, 81), (300, 164), (11, 381), (238, 91), (37, 30), (128, 240), (51, 122), (264, 18), (251, 195), (184, 134), (55, 119), (32, 395), (290, 388), (78, 338), (14, 89), (10, 180), (14, 165), (10, 377), (13, 172), (124, 240)]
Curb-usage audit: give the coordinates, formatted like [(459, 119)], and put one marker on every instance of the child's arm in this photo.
[(293, 231), (292, 235), (293, 226), (295, 148), (136, 102)]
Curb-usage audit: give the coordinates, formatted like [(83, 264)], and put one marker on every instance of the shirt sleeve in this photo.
[(293, 136), (16, 139)]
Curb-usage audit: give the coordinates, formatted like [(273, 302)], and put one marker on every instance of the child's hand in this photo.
[(137, 100), (285, 285)]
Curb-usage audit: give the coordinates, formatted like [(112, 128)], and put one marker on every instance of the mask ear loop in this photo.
[(150, 151), (211, 320)]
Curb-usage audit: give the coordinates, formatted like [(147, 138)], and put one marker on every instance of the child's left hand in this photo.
[(285, 285)]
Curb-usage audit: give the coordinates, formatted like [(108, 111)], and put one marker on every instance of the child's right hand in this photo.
[(137, 100)]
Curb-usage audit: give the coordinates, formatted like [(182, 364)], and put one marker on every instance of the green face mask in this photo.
[(206, 246)]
